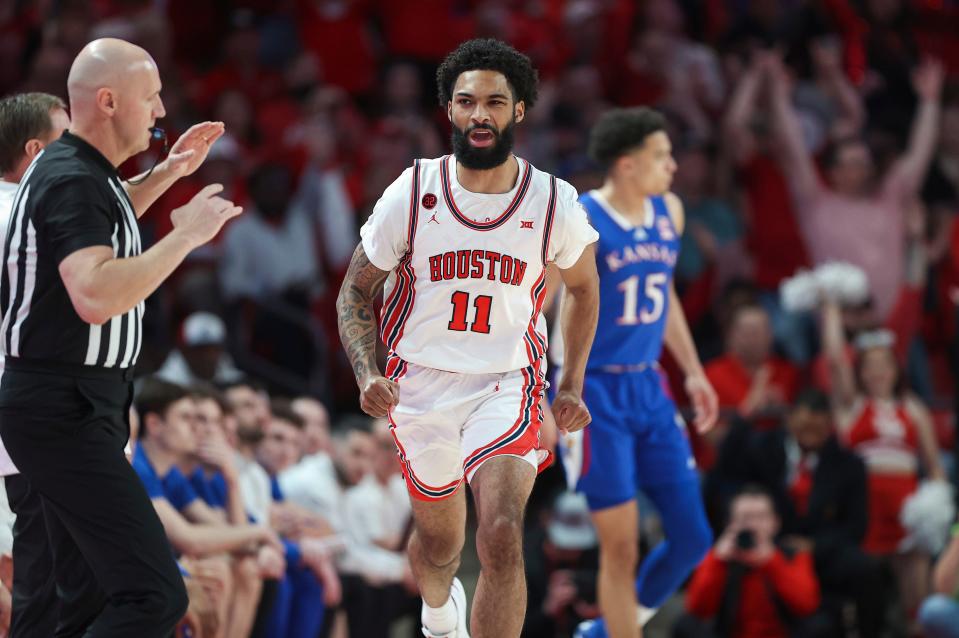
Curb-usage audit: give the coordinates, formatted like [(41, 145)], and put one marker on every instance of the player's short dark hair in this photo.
[(487, 54), (23, 117), (156, 396), (282, 409), (620, 131)]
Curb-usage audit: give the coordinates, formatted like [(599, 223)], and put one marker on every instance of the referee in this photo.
[(71, 296)]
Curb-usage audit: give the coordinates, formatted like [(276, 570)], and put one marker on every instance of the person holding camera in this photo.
[(819, 489), (746, 586)]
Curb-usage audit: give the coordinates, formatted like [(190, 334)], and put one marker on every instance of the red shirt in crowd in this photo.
[(732, 381), (793, 581)]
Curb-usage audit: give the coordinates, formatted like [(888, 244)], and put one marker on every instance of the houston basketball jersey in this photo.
[(635, 264), (467, 270)]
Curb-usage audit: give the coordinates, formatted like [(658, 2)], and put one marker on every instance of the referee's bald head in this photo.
[(114, 88)]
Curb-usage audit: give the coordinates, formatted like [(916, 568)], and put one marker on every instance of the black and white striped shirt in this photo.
[(70, 198)]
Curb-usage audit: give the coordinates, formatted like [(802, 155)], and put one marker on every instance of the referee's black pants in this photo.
[(35, 603), (66, 435)]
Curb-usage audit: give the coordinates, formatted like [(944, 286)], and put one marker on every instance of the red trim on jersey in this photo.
[(396, 369), (402, 325), (400, 311), (535, 344), (525, 180), (416, 487), (535, 347), (523, 436), (395, 303), (550, 215), (546, 462), (402, 307)]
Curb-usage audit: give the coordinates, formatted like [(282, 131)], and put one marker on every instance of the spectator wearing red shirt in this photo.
[(746, 587), (749, 378)]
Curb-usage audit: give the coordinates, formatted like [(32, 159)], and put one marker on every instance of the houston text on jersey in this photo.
[(477, 264)]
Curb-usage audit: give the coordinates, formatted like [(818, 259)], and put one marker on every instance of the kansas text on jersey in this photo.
[(635, 264)]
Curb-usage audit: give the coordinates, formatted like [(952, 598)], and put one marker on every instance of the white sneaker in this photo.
[(458, 595)]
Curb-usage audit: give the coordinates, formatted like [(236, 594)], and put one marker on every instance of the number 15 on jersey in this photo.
[(654, 290)]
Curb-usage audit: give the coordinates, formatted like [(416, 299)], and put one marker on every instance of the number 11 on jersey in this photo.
[(654, 290), (481, 303)]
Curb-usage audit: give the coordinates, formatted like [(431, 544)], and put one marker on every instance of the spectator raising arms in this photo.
[(855, 217)]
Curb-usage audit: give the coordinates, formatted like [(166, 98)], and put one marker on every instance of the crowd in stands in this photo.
[(806, 132)]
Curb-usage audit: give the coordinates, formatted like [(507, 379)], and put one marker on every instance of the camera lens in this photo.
[(745, 539)]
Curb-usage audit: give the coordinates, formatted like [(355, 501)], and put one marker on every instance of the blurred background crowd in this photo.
[(806, 132)]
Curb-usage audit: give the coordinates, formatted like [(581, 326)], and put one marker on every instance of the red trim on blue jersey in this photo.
[(499, 221)]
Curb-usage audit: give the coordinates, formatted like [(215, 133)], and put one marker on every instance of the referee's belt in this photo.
[(45, 366)]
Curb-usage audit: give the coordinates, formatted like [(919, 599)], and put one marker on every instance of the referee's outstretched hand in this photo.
[(204, 215)]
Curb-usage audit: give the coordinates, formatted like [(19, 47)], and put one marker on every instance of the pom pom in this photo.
[(927, 516), (799, 293), (845, 283)]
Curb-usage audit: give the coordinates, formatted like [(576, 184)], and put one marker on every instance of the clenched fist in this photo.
[(378, 395), (570, 412)]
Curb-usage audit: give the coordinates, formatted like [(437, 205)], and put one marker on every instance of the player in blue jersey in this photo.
[(638, 440)]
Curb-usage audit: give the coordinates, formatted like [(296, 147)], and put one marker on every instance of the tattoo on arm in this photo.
[(354, 306)]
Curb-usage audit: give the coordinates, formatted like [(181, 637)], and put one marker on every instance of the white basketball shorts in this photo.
[(447, 424)]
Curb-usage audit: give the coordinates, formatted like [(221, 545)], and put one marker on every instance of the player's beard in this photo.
[(483, 159)]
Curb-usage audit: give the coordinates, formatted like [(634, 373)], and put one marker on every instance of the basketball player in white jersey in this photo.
[(462, 243)]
